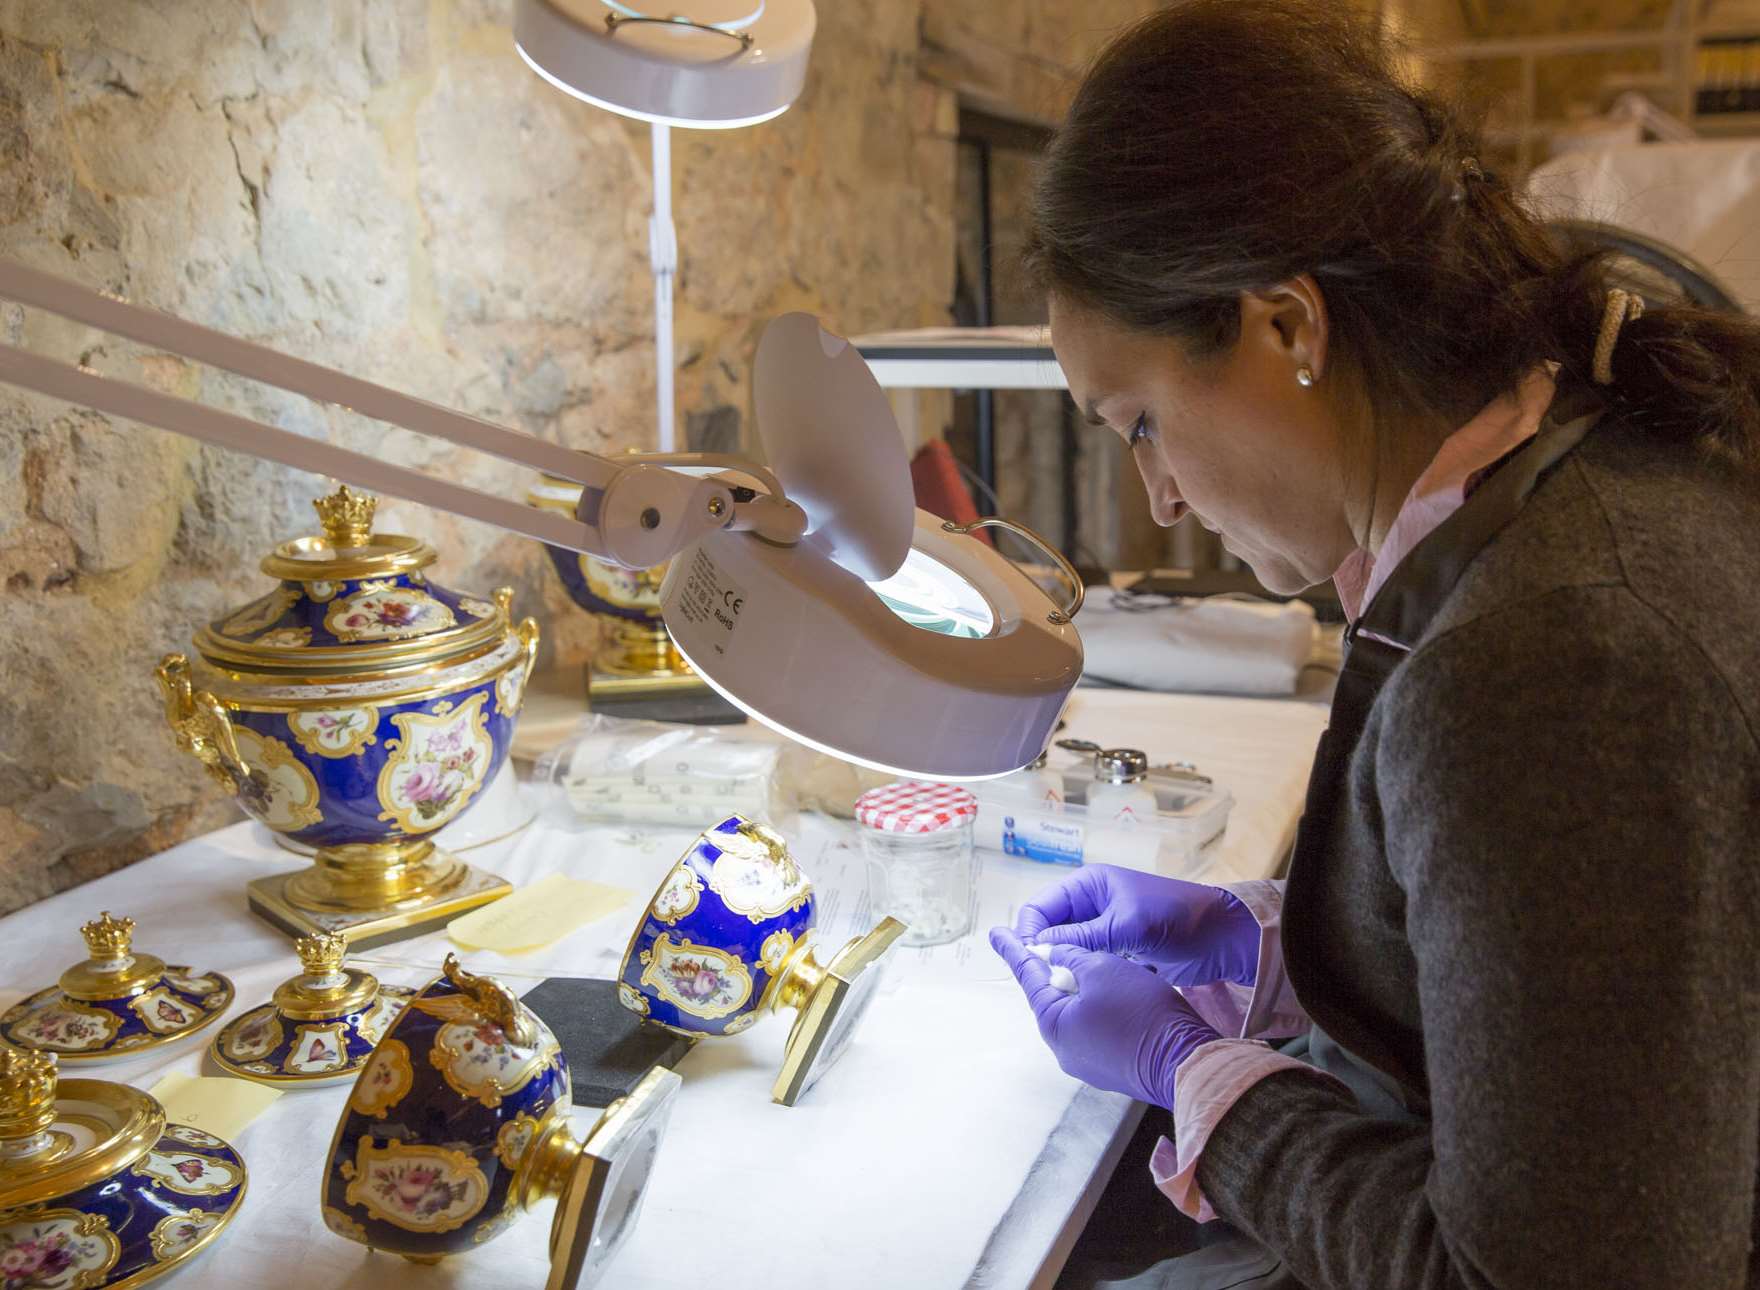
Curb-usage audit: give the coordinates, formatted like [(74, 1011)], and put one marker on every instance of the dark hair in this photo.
[(1222, 146)]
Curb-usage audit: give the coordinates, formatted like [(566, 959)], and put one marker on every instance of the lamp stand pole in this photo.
[(663, 257)]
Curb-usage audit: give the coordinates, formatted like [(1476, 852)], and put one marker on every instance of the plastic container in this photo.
[(917, 841), (1034, 788), (1190, 812)]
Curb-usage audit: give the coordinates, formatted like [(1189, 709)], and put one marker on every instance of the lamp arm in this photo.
[(631, 511)]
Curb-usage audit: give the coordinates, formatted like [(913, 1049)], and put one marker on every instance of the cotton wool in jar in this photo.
[(917, 841)]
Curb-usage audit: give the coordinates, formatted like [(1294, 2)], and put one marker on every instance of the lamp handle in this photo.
[(1077, 591), (615, 20)]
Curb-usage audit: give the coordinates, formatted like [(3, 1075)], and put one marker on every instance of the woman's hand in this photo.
[(1123, 1029), (1192, 933)]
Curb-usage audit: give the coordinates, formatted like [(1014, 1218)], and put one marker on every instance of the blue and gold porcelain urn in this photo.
[(728, 938), (460, 1122), (627, 600), (96, 1189), (356, 709), (319, 1028), (117, 1003)]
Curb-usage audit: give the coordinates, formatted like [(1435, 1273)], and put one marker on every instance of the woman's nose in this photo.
[(1164, 506), (1164, 499)]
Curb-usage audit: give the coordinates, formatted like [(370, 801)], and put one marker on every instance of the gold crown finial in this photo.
[(321, 953), (27, 1092), (347, 517), (108, 938)]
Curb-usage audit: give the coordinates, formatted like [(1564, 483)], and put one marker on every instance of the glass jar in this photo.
[(917, 840)]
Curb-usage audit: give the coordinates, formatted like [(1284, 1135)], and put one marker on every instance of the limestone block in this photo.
[(534, 200), (25, 182), (396, 40), (310, 42), (333, 226), (111, 489), (135, 48), (735, 196)]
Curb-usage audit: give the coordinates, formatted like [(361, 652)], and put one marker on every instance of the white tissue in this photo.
[(1043, 951)]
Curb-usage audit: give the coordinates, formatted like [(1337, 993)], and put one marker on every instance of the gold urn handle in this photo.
[(200, 724), (493, 1001), (527, 631), (27, 1092)]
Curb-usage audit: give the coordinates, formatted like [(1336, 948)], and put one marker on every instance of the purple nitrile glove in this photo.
[(1124, 1029), (1193, 934)]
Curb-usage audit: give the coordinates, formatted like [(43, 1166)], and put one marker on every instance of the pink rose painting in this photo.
[(190, 1171), (37, 1261), (418, 1190), (697, 981)]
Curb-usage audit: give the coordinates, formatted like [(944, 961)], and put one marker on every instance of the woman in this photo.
[(1521, 914)]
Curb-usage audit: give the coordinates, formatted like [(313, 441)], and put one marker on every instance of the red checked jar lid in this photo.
[(909, 806)]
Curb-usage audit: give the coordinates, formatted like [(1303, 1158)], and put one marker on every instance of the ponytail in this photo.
[(1219, 147)]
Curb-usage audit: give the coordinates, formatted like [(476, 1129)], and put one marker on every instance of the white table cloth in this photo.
[(945, 1149)]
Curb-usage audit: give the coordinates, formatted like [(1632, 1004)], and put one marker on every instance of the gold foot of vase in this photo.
[(285, 900)]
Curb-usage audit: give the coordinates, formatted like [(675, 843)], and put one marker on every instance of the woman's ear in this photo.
[(1290, 320)]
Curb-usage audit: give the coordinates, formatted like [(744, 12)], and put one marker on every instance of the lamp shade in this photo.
[(957, 667), (708, 64)]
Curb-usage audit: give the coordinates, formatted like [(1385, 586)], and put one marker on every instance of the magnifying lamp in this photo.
[(699, 64), (811, 593)]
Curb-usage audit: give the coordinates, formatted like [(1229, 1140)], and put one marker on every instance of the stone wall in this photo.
[(382, 186)]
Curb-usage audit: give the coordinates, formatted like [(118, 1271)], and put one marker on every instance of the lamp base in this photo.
[(365, 928)]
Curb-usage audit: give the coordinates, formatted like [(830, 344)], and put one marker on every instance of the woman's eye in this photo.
[(1139, 431)]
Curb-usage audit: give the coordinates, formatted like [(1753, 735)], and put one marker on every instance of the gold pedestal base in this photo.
[(835, 1000), (365, 928), (606, 684)]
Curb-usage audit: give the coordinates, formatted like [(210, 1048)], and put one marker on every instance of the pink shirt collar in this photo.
[(1502, 425)]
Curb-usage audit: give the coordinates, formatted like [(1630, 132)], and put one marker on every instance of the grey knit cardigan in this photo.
[(1545, 916)]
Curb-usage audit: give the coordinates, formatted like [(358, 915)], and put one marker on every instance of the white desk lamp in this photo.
[(835, 611), (725, 63)]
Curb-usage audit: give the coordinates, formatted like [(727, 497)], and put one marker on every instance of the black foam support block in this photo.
[(608, 1047)]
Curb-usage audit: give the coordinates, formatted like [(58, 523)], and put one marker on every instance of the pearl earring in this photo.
[(1305, 376)]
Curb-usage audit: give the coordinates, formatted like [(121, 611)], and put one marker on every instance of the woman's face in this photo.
[(1233, 438)]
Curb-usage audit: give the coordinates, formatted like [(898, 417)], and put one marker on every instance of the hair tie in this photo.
[(1621, 305)]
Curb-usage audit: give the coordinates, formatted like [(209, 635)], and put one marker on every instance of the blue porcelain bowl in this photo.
[(725, 926), (109, 1194), (352, 757), (426, 1155), (356, 703)]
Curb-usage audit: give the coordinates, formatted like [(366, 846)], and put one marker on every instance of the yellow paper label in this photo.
[(536, 916), (218, 1106)]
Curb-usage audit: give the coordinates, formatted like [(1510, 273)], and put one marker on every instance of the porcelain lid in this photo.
[(58, 1137), (351, 600)]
